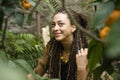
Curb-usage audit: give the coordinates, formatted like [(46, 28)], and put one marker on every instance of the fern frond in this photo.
[(26, 36), (54, 3)]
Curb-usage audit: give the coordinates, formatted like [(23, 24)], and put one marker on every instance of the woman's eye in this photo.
[(61, 24), (53, 24)]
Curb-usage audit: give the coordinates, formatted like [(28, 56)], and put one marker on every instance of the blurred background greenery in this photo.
[(22, 44)]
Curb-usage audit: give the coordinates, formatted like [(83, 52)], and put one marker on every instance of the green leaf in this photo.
[(1, 1), (29, 19), (113, 39), (103, 11), (117, 4), (39, 7), (54, 4), (49, 5), (94, 54), (31, 2), (19, 18), (10, 3), (55, 79), (3, 55), (116, 76), (10, 72), (104, 66), (26, 66)]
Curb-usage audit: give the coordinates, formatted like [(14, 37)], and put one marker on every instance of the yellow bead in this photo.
[(61, 57), (66, 61)]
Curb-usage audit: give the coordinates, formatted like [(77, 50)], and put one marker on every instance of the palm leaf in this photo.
[(53, 5)]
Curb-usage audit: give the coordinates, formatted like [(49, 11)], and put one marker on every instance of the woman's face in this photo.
[(62, 28)]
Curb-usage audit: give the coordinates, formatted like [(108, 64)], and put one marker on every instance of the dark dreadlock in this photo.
[(56, 48)]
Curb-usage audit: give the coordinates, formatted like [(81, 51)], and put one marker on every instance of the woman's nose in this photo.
[(56, 27)]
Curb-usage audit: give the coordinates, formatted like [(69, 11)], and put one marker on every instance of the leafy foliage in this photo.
[(11, 71), (104, 10), (113, 40), (19, 18), (21, 53), (53, 5), (22, 50), (95, 54), (25, 46), (108, 51)]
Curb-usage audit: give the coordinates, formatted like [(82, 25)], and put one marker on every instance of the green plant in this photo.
[(24, 46), (103, 54)]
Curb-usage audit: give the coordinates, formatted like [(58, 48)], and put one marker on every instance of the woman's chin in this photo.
[(58, 39)]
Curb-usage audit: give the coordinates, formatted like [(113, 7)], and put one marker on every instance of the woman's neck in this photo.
[(67, 44)]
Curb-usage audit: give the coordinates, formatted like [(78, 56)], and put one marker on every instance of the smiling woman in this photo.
[(65, 56), (62, 28)]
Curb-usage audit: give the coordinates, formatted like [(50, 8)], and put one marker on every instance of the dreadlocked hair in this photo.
[(56, 48)]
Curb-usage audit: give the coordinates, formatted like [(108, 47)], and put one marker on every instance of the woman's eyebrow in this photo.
[(57, 21), (60, 21)]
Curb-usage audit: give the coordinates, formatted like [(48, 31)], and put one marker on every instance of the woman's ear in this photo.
[(73, 28)]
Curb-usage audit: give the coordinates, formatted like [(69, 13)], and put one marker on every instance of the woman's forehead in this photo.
[(60, 17)]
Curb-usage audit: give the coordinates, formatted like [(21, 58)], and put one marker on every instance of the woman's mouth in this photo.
[(57, 34)]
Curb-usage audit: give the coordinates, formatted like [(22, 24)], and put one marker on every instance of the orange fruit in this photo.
[(26, 5), (104, 32), (113, 17)]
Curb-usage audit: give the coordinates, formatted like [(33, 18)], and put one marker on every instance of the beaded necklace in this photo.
[(63, 59)]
